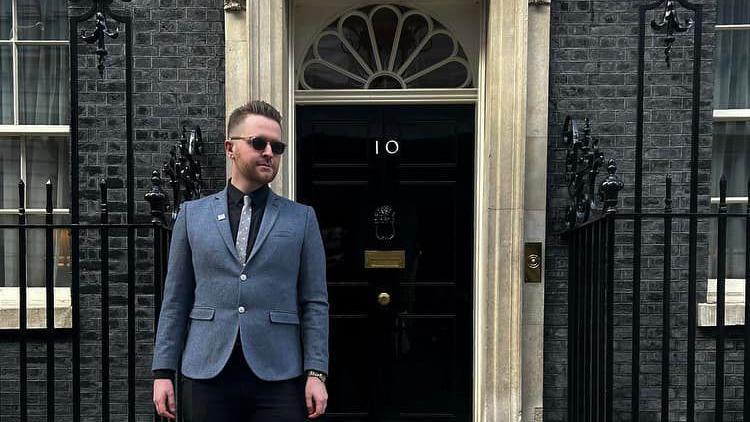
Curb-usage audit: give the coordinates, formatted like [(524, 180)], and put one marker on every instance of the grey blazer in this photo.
[(276, 302)]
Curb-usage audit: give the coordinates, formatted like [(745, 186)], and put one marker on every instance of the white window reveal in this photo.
[(385, 47)]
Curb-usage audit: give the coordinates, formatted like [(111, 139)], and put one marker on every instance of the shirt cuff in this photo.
[(163, 374)]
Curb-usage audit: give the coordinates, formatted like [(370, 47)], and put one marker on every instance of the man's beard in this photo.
[(251, 173)]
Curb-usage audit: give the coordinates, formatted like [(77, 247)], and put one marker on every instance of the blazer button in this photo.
[(241, 309), (243, 277)]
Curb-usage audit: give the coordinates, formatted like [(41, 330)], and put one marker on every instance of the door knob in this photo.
[(384, 299)]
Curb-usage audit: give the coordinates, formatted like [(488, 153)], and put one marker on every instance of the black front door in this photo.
[(393, 190)]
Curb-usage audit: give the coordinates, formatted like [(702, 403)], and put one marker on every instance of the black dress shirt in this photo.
[(235, 202), (234, 205)]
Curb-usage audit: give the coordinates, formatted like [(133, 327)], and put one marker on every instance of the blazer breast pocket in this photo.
[(282, 233), (203, 313), (283, 242)]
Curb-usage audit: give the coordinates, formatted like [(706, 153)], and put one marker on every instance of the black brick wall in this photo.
[(178, 80), (593, 73)]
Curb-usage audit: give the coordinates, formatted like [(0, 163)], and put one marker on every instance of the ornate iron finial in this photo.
[(610, 188), (98, 37), (670, 24), (183, 169), (103, 203), (582, 165), (101, 30), (723, 194), (156, 199)]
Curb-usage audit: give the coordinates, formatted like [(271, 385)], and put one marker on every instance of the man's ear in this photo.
[(229, 147)]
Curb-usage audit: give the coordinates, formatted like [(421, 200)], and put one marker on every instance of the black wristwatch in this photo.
[(317, 374)]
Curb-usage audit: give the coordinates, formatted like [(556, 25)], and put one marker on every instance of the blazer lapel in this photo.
[(221, 218), (269, 218)]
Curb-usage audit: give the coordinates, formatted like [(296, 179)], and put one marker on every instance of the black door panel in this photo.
[(401, 338)]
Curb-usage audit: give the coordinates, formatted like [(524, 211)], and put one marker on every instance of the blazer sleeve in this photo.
[(179, 291), (313, 297)]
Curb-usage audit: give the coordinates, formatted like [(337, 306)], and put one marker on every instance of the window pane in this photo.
[(333, 50), (733, 12), (36, 252), (36, 273), (732, 85), (10, 172), (735, 248), (6, 85), (42, 20), (6, 19), (47, 159), (731, 157), (319, 76), (8, 252), (43, 96), (451, 75)]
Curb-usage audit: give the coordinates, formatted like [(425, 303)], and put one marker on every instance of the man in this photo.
[(245, 304)]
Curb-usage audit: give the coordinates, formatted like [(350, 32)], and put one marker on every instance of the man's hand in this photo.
[(164, 398), (316, 397)]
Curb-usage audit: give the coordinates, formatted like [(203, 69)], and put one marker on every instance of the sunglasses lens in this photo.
[(278, 148), (259, 143)]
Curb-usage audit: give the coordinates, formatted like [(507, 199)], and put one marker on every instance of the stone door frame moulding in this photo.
[(259, 57)]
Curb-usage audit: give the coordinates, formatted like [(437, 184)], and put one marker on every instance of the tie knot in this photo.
[(246, 200)]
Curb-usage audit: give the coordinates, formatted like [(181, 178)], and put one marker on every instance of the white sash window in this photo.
[(34, 146)]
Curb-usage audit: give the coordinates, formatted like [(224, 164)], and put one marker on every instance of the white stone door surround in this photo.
[(258, 65)]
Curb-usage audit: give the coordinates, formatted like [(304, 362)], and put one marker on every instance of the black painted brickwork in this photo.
[(178, 80), (593, 73)]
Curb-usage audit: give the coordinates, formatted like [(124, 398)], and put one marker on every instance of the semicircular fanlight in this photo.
[(384, 47)]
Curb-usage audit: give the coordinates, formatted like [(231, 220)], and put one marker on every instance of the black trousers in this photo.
[(237, 394)]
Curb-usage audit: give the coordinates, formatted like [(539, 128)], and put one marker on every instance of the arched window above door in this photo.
[(384, 47)]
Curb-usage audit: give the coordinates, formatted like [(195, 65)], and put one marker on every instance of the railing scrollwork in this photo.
[(670, 24), (183, 173), (582, 164), (102, 30)]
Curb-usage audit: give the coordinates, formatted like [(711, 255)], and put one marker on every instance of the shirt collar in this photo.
[(235, 195)]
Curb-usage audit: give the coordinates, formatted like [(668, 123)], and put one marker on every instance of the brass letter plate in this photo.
[(385, 259)]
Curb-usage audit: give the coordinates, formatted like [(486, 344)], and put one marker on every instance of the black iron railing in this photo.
[(611, 256), (592, 288), (154, 232)]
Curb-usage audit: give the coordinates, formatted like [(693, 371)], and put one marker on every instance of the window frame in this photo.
[(16, 128), (25, 134), (723, 115), (734, 309)]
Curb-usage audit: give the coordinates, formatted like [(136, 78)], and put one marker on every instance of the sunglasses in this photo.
[(259, 144)]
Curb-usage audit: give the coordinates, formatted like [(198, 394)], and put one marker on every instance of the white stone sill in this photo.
[(36, 305), (734, 304)]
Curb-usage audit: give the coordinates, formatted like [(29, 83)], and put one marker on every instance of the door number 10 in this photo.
[(391, 147)]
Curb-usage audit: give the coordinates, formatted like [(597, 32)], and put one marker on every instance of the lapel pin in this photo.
[(221, 217)]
